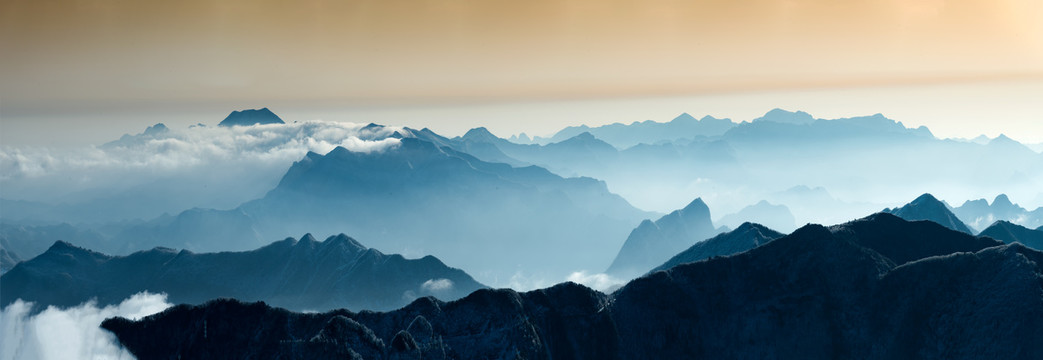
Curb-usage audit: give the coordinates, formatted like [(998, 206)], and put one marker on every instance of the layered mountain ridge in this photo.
[(303, 274), (876, 288)]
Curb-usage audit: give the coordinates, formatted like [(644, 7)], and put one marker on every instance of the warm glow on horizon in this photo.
[(62, 59)]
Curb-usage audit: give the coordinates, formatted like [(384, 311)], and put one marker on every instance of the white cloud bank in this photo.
[(598, 281), (206, 166), (73, 333)]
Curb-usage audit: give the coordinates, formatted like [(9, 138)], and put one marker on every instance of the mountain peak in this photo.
[(684, 117), (1002, 200), (787, 117), (926, 198), (62, 245), (249, 117), (585, 136), (696, 205), (157, 129), (479, 134), (927, 207), (346, 241)]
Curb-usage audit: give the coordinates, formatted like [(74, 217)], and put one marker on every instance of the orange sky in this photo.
[(70, 55)]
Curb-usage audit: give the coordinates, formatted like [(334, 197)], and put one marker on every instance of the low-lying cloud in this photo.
[(73, 333), (207, 166), (597, 281), (436, 286)]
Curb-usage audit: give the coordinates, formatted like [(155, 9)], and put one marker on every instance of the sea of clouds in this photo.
[(72, 333), (209, 166)]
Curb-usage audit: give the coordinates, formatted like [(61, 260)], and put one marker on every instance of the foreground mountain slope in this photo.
[(927, 207), (1010, 233), (301, 275), (746, 236), (651, 243), (818, 293)]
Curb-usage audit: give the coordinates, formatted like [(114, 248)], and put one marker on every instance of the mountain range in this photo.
[(303, 275), (875, 288), (622, 136), (980, 213), (416, 198)]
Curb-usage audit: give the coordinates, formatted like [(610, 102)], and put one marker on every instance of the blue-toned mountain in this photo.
[(300, 274)]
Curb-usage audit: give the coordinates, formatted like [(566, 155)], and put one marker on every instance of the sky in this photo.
[(86, 71)]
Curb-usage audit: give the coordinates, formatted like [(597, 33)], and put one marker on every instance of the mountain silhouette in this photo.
[(786, 117), (979, 213), (300, 274), (771, 215), (818, 293), (249, 117), (746, 236), (927, 207), (623, 136), (1009, 233), (488, 218), (651, 243)]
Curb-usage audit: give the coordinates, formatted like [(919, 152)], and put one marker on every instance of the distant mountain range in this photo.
[(489, 218), (415, 198), (651, 243), (868, 157), (763, 212), (980, 213), (875, 288), (927, 207), (623, 136), (304, 275)]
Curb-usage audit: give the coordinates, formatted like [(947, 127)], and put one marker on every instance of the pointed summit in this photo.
[(249, 117), (927, 207), (651, 244), (1002, 201), (684, 117), (696, 205)]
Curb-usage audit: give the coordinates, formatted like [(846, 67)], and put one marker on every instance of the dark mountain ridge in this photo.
[(302, 275), (1009, 233), (745, 237), (818, 293)]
